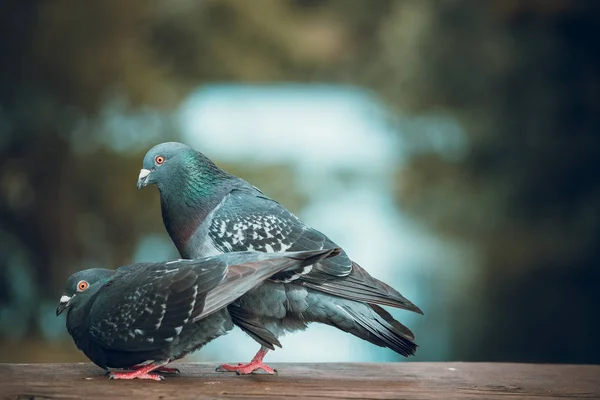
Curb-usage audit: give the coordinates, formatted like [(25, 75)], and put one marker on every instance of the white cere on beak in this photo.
[(65, 299), (144, 173)]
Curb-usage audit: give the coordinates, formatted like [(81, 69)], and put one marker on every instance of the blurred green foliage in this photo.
[(521, 77)]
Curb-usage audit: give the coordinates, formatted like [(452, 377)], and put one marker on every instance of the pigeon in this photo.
[(142, 316), (207, 211)]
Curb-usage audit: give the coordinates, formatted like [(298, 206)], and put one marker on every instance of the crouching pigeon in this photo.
[(143, 316), (208, 211)]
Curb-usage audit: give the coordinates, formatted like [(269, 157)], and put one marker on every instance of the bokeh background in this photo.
[(452, 147)]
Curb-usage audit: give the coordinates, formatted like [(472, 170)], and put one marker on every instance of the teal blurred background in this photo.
[(451, 147)]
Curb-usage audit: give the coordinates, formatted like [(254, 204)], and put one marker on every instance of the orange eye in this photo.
[(82, 285), (159, 160)]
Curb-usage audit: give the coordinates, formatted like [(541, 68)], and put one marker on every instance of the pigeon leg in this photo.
[(141, 373), (252, 366), (160, 370)]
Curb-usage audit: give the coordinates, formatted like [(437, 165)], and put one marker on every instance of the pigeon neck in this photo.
[(186, 203)]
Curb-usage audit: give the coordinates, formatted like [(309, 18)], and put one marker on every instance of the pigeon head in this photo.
[(162, 160), (81, 285), (190, 186), (167, 164)]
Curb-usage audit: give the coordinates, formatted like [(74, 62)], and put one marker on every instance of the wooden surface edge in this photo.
[(405, 380)]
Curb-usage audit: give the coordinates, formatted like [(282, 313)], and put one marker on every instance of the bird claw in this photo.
[(133, 375), (246, 369), (144, 371), (227, 367), (160, 370), (253, 366)]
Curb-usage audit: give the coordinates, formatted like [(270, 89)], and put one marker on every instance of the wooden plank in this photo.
[(312, 381)]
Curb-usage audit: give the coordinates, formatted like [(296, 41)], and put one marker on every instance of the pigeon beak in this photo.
[(143, 178), (65, 302)]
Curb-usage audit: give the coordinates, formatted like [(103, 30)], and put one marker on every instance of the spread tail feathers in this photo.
[(382, 329)]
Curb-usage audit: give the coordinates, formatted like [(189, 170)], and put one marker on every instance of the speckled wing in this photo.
[(144, 307), (250, 221)]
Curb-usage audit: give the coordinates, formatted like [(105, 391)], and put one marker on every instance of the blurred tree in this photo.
[(62, 62), (523, 79)]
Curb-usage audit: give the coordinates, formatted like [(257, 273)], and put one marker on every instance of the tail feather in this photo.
[(390, 320), (360, 286), (384, 330)]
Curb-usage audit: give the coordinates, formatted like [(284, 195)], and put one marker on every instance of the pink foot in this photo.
[(160, 370), (135, 375), (245, 369), (142, 372), (252, 366)]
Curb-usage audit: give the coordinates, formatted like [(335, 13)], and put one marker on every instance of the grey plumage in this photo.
[(159, 312), (208, 211)]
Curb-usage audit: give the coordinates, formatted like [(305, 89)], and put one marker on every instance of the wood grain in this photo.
[(312, 381)]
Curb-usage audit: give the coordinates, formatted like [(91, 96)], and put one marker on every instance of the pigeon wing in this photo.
[(249, 220), (246, 270), (145, 306)]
